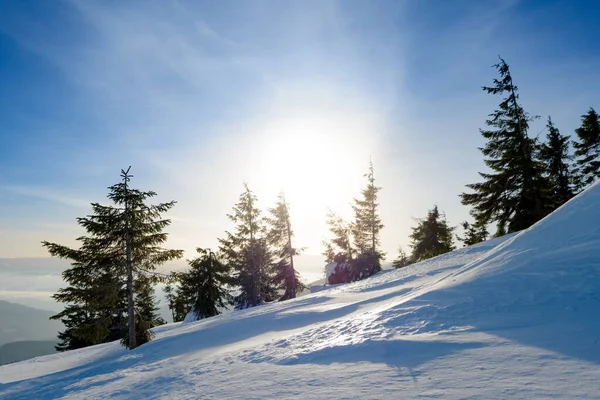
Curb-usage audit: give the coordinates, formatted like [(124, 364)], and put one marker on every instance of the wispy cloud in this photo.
[(201, 96), (143, 48), (48, 194), (31, 281)]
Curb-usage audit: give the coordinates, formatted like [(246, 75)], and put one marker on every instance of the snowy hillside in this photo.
[(515, 317)]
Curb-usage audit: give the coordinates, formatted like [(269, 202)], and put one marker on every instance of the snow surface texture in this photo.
[(190, 317), (330, 270), (514, 317)]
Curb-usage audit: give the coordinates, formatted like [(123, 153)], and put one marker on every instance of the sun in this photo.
[(302, 156), (318, 161)]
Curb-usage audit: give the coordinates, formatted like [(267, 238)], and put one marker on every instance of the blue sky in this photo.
[(296, 95)]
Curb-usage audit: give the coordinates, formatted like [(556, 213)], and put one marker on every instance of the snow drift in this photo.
[(514, 317)]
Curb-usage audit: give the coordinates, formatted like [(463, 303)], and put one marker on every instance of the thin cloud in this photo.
[(48, 194), (186, 92)]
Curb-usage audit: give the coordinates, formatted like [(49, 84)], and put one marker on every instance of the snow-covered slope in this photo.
[(515, 317)]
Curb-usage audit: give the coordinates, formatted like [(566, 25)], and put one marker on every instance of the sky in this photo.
[(200, 97)]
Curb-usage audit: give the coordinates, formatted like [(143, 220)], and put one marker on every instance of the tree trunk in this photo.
[(253, 291), (372, 183), (130, 305), (373, 225), (289, 235)]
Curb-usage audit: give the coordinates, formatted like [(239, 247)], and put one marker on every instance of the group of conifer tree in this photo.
[(256, 262), (527, 178), (355, 245), (110, 292)]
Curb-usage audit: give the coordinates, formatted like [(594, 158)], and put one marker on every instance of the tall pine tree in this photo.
[(280, 236), (431, 237), (246, 251), (203, 289), (555, 156), (367, 223), (109, 294), (512, 194), (365, 231), (587, 149)]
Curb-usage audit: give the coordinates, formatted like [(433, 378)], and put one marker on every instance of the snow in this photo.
[(190, 316), (318, 288), (514, 317), (331, 269)]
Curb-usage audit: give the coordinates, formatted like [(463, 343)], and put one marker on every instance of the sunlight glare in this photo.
[(319, 162)]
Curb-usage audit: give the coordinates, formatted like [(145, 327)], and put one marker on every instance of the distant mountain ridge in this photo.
[(21, 323), (24, 350)]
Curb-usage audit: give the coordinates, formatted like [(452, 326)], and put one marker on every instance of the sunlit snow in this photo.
[(514, 317)]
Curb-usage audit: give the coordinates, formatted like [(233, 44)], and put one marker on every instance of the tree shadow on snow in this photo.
[(555, 309), (395, 353), (193, 337)]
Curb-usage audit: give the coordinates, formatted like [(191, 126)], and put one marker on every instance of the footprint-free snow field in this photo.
[(513, 317)]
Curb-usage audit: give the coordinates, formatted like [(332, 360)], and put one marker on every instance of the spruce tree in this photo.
[(431, 237), (280, 236), (146, 311), (513, 193), (246, 251), (555, 156), (175, 302), (367, 223), (114, 264), (328, 251), (204, 288), (402, 261), (339, 249), (341, 242), (95, 300), (473, 233), (365, 230), (587, 150)]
